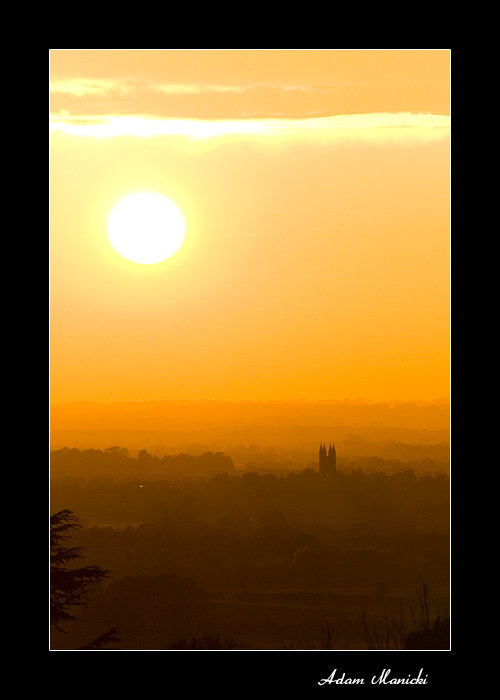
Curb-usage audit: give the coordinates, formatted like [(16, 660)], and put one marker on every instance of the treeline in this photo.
[(397, 502), (269, 551), (116, 462)]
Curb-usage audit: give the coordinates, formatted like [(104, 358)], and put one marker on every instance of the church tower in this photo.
[(327, 462)]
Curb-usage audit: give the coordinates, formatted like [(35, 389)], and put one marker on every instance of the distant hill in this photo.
[(170, 426)]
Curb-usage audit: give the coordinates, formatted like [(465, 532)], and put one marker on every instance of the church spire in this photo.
[(327, 461)]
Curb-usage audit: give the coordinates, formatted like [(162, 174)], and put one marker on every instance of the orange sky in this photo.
[(315, 191)]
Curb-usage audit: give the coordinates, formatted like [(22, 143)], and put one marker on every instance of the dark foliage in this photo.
[(101, 642), (424, 636), (69, 587), (206, 642), (436, 637)]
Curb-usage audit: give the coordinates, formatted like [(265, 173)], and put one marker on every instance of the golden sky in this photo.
[(314, 187)]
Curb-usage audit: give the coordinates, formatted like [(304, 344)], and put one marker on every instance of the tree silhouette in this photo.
[(69, 587)]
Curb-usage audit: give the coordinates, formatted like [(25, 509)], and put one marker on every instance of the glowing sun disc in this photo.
[(146, 228)]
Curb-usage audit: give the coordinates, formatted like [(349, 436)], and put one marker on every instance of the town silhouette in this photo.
[(250, 550)]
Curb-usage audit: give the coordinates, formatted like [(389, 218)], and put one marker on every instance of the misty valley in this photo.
[(204, 552)]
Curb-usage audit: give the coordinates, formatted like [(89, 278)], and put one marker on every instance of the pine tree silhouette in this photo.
[(69, 586)]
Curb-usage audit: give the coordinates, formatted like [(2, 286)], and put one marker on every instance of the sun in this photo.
[(146, 228)]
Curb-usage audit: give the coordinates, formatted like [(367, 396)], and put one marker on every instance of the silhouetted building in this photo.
[(327, 462)]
